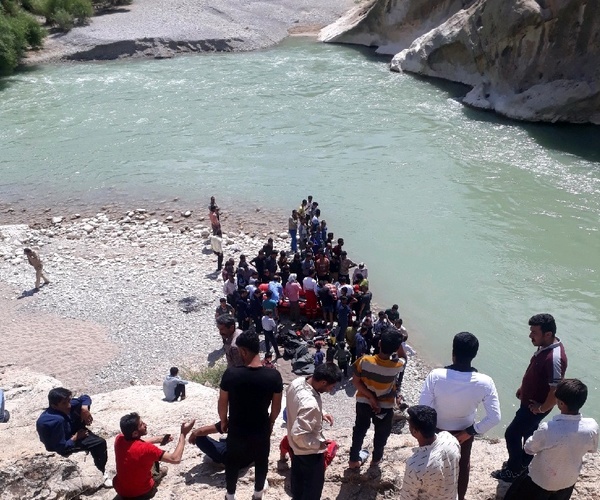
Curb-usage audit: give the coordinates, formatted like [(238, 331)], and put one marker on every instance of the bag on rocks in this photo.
[(303, 365)]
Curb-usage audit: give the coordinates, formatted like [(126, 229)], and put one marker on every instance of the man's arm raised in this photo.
[(174, 457)]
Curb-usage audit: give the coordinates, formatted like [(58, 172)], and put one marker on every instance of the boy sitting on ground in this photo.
[(174, 386)]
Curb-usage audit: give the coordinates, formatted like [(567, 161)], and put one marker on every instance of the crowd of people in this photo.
[(544, 459)]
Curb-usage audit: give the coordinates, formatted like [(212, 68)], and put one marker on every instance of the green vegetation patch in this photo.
[(209, 376), (19, 31)]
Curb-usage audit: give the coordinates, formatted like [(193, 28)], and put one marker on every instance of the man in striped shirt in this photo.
[(375, 382)]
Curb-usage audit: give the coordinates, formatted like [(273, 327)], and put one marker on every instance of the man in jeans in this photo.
[(375, 381), (305, 430), (546, 369)]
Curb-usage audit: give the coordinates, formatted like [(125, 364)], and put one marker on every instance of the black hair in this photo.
[(249, 340), (464, 347), (129, 424), (58, 394), (390, 341), (328, 372), (226, 320), (269, 293), (545, 321), (423, 419), (572, 392), (174, 371)]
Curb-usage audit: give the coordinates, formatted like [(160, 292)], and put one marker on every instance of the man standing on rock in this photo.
[(229, 334), (138, 472), (245, 397), (546, 369), (305, 430), (62, 428), (375, 381), (455, 392), (35, 262)]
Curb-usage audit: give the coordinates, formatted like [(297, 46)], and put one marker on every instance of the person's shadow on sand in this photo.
[(210, 473), (28, 293), (214, 275)]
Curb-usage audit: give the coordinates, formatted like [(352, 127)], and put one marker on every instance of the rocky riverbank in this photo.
[(164, 28), (117, 279), (110, 325)]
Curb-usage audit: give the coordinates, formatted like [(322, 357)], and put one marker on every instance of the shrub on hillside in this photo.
[(18, 31), (66, 13)]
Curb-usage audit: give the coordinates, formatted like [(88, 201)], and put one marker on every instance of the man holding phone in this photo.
[(138, 471)]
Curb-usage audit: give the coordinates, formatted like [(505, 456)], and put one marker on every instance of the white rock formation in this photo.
[(535, 60)]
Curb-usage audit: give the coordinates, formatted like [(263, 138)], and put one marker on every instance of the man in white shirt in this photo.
[(216, 243), (305, 430), (455, 392), (174, 386), (432, 471), (269, 327), (559, 446)]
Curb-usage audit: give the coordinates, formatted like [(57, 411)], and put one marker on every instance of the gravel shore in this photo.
[(163, 28), (126, 275)]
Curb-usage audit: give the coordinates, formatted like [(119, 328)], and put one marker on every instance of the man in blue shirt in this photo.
[(62, 428), (276, 288)]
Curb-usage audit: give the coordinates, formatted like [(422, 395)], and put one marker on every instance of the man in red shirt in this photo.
[(137, 460)]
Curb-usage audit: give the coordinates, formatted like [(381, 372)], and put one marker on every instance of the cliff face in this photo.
[(390, 25), (536, 60)]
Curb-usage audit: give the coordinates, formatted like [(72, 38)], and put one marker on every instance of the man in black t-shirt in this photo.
[(247, 392)]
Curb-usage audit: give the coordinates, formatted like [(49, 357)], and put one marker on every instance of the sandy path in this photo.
[(70, 350)]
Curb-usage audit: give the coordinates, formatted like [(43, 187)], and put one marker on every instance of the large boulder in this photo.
[(536, 60)]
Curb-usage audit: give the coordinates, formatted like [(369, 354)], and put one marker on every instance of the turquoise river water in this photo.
[(467, 220)]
